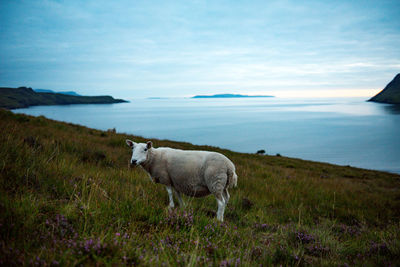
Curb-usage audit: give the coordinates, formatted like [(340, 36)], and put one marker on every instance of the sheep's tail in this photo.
[(232, 178)]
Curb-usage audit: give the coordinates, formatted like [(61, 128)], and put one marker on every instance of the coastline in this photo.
[(23, 97), (213, 146)]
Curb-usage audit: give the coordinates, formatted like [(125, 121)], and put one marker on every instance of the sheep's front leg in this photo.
[(171, 197)]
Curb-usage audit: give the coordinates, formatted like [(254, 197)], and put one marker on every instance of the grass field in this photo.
[(68, 197)]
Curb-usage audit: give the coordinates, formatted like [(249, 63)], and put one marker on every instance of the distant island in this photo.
[(51, 91), (229, 96), (23, 97), (390, 94)]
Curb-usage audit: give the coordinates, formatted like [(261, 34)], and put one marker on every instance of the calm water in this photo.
[(341, 131)]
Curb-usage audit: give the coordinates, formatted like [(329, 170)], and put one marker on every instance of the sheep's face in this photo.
[(139, 151)]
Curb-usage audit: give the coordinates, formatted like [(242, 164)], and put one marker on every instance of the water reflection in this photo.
[(392, 109)]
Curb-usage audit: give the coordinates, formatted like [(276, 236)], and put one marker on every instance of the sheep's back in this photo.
[(187, 169)]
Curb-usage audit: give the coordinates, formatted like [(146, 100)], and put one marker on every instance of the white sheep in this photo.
[(193, 173)]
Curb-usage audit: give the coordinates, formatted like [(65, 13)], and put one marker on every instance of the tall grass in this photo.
[(68, 197)]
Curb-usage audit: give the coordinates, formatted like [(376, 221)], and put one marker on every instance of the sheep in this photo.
[(193, 173)]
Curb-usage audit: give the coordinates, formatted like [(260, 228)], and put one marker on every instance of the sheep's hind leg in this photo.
[(171, 197), (181, 202), (216, 185), (221, 206), (226, 195)]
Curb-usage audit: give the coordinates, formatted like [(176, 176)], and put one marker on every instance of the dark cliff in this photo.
[(22, 97), (390, 94)]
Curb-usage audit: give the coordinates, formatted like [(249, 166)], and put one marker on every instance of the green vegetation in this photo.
[(68, 197), (390, 94), (23, 97)]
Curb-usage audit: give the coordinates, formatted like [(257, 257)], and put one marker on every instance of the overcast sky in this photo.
[(184, 48)]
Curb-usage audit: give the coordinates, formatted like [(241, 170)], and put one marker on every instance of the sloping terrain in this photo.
[(68, 197), (390, 94)]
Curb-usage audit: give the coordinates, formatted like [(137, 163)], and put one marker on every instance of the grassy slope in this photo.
[(68, 197), (24, 97)]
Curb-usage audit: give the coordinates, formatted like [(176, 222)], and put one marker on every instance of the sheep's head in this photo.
[(139, 151)]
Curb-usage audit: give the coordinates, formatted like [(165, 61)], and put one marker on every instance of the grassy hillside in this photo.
[(390, 94), (23, 97), (68, 198)]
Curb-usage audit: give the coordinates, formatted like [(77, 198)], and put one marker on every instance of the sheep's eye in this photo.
[(145, 149)]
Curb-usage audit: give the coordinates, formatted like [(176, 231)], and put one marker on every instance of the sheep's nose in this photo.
[(133, 162)]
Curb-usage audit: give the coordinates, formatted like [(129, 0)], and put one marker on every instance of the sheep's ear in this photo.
[(130, 143), (149, 144)]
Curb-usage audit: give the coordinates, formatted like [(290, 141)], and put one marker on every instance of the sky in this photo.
[(137, 49)]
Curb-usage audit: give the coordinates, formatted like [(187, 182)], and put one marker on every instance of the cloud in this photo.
[(142, 48)]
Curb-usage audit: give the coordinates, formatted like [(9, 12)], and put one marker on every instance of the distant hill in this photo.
[(229, 96), (23, 97), (43, 91), (390, 94), (51, 91)]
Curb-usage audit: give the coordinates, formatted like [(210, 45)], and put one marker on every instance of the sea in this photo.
[(343, 131)]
